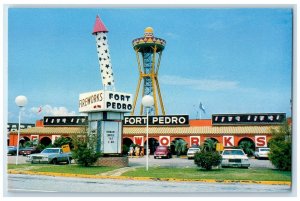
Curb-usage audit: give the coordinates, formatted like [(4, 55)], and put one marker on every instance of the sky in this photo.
[(230, 60)]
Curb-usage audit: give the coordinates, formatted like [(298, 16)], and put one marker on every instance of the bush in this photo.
[(84, 151), (281, 148), (85, 155), (207, 159)]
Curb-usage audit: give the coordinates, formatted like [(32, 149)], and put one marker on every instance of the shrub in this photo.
[(281, 148), (84, 151), (85, 155), (207, 159)]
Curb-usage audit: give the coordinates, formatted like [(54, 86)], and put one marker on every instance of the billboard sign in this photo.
[(98, 101), (259, 118), (111, 137), (65, 120)]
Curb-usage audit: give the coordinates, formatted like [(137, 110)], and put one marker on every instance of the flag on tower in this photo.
[(201, 107)]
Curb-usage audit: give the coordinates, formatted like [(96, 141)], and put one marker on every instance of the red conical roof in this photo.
[(99, 26)]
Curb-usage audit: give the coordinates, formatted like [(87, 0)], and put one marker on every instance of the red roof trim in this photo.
[(99, 26)]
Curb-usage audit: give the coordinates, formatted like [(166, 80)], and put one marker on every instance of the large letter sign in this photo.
[(228, 141), (139, 140), (260, 141), (164, 140), (195, 140)]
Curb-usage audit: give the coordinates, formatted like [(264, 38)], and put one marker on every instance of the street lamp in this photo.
[(21, 101), (147, 101)]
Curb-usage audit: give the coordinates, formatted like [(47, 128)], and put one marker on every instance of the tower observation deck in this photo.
[(148, 51)]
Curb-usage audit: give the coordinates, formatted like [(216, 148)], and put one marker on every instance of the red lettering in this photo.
[(227, 142), (138, 140), (195, 141), (164, 141), (260, 141)]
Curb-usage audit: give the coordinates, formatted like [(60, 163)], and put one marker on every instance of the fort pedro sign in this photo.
[(167, 120), (98, 101)]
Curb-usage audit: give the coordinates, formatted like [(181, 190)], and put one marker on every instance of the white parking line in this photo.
[(31, 190)]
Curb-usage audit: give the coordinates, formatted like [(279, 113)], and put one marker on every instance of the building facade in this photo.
[(230, 130)]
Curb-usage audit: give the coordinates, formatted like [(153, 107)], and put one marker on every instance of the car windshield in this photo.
[(193, 149), (50, 151), (161, 148), (233, 152), (265, 149)]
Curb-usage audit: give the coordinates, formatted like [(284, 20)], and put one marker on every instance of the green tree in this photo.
[(125, 149), (180, 146), (84, 152), (62, 141), (40, 147), (209, 145), (281, 147), (247, 147)]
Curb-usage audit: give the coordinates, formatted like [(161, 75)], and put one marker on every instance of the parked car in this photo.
[(162, 152), (262, 153), (12, 150), (191, 152), (234, 158), (27, 150), (50, 155)]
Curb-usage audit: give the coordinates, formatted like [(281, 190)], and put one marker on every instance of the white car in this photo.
[(191, 152), (234, 158), (262, 153)]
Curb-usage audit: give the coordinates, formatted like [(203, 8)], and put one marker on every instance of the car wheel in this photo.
[(154, 157), (54, 161)]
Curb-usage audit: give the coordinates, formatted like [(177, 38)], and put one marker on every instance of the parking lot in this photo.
[(173, 162)]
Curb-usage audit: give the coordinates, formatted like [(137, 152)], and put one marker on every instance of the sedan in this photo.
[(12, 150), (191, 152), (234, 158), (28, 150)]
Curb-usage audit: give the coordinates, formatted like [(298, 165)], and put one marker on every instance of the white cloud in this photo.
[(172, 35), (201, 84), (48, 110)]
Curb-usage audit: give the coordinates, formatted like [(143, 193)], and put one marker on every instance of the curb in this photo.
[(148, 178)]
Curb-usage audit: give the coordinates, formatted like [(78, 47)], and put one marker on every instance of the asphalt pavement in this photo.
[(47, 184), (173, 162)]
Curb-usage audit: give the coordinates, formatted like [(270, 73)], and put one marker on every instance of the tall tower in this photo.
[(107, 75), (148, 51)]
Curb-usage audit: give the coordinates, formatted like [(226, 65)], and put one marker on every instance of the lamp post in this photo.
[(21, 101), (147, 101)]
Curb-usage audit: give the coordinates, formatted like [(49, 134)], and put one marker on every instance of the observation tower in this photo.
[(148, 51)]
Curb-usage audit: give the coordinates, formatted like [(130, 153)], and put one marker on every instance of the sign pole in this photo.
[(147, 133), (18, 142)]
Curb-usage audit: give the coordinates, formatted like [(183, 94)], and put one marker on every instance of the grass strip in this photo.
[(71, 169), (217, 174)]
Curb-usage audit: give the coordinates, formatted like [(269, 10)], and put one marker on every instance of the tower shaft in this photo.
[(148, 74)]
